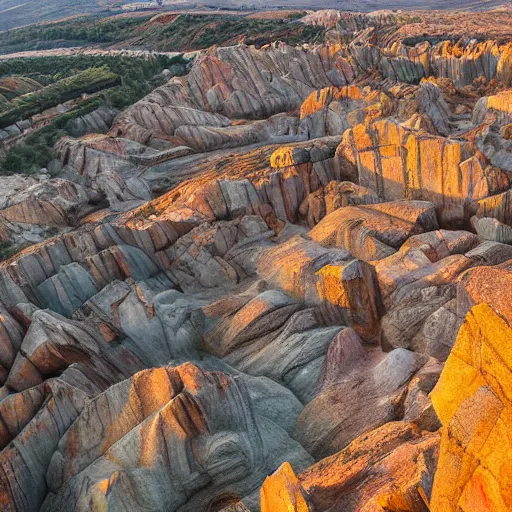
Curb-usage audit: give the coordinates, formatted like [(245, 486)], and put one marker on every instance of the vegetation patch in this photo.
[(171, 34), (8, 249), (113, 81), (192, 32), (87, 29), (87, 81)]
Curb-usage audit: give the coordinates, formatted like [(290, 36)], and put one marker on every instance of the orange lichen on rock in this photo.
[(506, 132), (501, 101), (281, 492), (329, 285), (318, 100), (498, 206), (350, 287), (473, 401), (285, 156)]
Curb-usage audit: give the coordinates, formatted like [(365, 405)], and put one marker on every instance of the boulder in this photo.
[(376, 231), (492, 229)]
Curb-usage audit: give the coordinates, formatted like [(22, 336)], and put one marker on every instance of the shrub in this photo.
[(26, 158)]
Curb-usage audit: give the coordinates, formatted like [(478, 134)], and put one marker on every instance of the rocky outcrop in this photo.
[(376, 231), (240, 96), (272, 181), (282, 491), (498, 104), (401, 164), (116, 283), (487, 284), (97, 121), (104, 165), (207, 423), (492, 230), (423, 292), (232, 83), (332, 111), (33, 422), (462, 62), (472, 400), (31, 208), (272, 323), (343, 288), (52, 344), (395, 462), (336, 416), (334, 195)]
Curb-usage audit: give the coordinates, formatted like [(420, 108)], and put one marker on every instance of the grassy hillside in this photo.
[(115, 81), (87, 81), (165, 32), (17, 13)]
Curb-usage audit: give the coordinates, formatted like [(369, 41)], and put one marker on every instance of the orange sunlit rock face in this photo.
[(396, 450), (501, 102), (472, 400), (401, 164), (321, 99), (281, 492), (351, 289)]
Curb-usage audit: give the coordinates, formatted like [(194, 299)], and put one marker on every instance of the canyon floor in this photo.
[(281, 282)]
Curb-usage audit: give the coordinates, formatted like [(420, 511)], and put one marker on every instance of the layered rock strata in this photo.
[(312, 315)]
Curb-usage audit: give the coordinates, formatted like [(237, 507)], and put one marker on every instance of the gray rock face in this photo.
[(29, 208), (98, 121), (52, 343), (105, 164), (271, 327), (203, 421), (336, 416), (492, 230)]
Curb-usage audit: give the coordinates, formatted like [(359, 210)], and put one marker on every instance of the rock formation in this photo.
[(279, 283), (472, 400)]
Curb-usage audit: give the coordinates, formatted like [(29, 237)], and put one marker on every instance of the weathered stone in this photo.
[(394, 462), (400, 164), (492, 229), (282, 492), (336, 416), (173, 411), (472, 400)]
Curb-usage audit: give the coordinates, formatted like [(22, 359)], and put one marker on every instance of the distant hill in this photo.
[(16, 13), (357, 5)]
